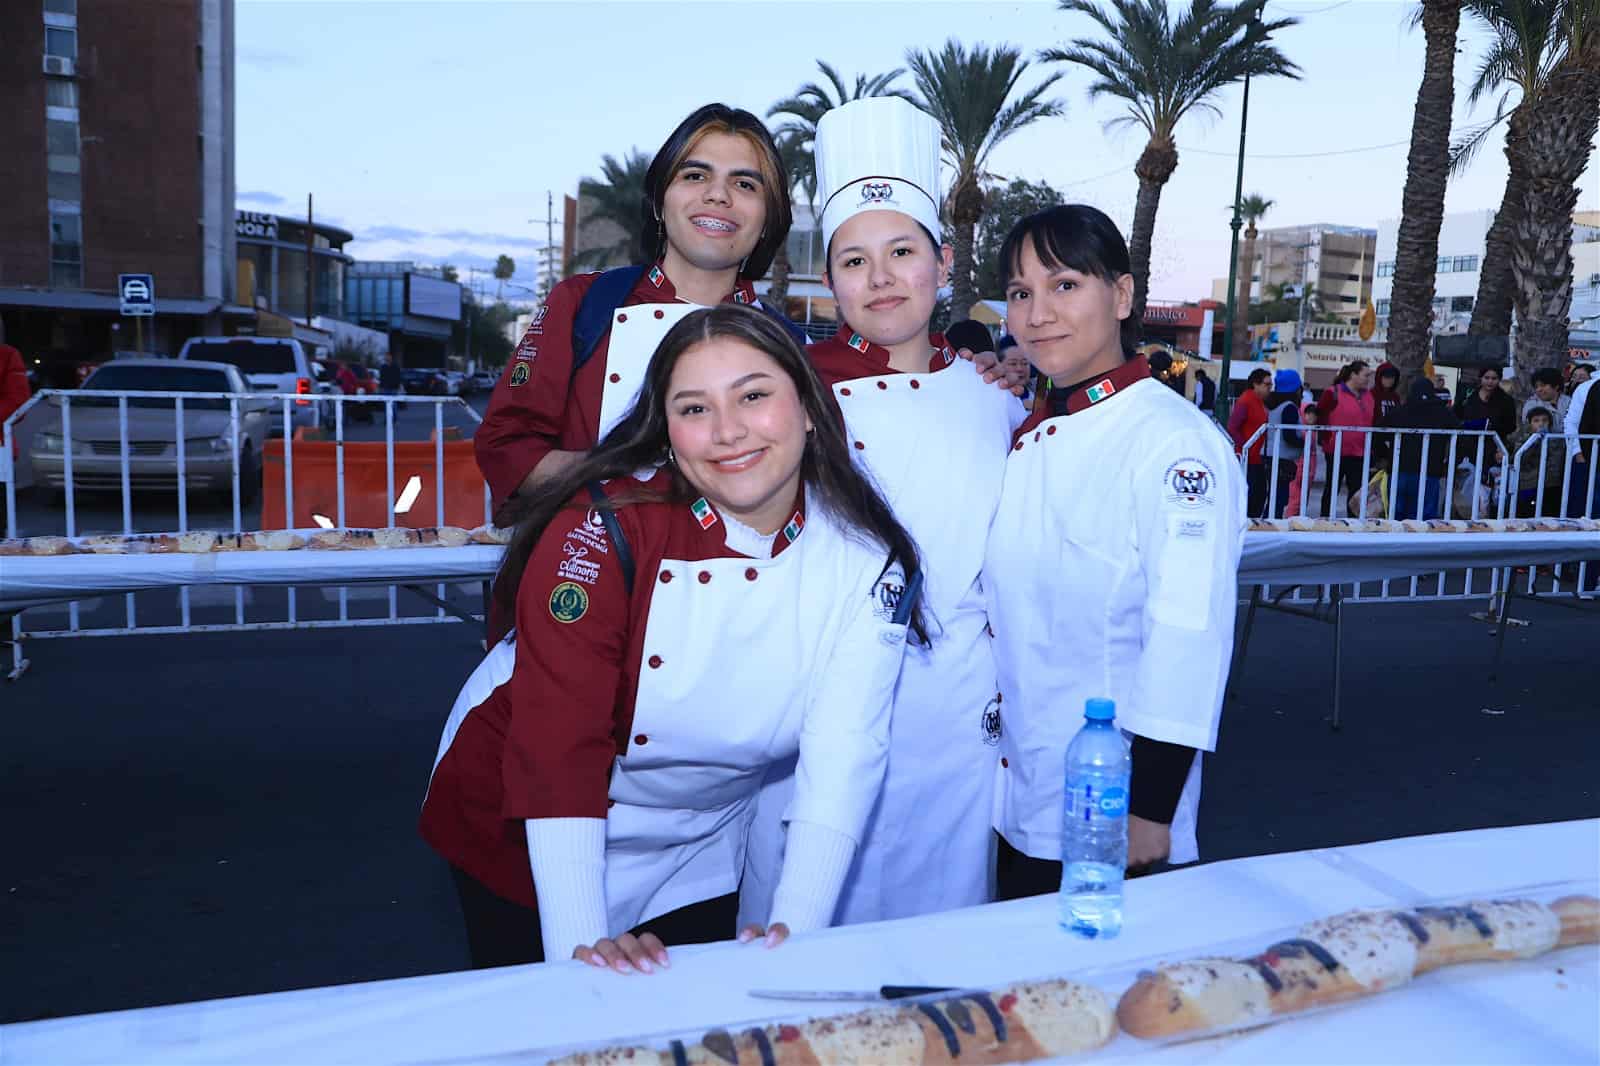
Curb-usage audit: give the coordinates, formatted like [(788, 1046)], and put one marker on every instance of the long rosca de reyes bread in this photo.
[(1348, 956), (1019, 1023)]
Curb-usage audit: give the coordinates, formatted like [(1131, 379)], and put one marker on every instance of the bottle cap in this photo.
[(1099, 710)]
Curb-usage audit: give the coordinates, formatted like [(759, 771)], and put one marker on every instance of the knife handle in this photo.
[(909, 991)]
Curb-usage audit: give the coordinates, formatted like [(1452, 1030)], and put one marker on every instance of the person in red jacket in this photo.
[(1247, 416), (714, 589), (717, 209), (14, 391)]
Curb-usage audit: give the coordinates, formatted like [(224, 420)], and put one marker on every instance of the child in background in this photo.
[(1540, 465), (1306, 472)]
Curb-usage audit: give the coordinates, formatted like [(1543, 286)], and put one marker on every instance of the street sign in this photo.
[(138, 294)]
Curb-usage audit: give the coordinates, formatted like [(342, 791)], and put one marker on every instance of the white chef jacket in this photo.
[(1111, 572)]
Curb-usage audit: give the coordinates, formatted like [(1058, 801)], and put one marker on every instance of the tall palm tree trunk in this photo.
[(1561, 134), (1422, 202), (1491, 309), (778, 294), (1241, 302), (1154, 168), (965, 212)]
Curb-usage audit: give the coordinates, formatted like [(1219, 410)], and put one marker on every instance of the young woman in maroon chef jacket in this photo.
[(606, 755)]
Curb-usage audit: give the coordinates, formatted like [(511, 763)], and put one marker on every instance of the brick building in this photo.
[(118, 135)]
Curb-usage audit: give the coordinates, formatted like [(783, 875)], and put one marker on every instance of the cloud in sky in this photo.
[(391, 233), (257, 196), (476, 237)]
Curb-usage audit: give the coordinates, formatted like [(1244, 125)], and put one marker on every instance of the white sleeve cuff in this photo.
[(815, 862), (568, 858)]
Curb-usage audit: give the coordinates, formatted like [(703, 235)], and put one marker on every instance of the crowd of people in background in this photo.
[(1290, 441)]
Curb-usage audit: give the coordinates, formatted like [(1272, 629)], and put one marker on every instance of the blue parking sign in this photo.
[(138, 293)]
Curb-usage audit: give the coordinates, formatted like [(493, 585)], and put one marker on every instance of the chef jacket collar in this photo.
[(1082, 395), (655, 280), (712, 524), (941, 356)]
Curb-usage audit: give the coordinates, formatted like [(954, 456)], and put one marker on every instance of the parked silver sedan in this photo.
[(210, 440)]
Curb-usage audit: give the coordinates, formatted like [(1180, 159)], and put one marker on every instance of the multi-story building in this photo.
[(416, 306), (1462, 239), (116, 156), (1336, 262)]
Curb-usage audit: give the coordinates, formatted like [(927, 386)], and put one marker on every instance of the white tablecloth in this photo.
[(1268, 558), (1541, 1010)]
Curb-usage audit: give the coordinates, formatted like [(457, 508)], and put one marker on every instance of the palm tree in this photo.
[(1252, 207), (613, 203), (1162, 71), (1525, 47), (796, 137), (969, 93), (1560, 138), (1422, 202), (504, 268)]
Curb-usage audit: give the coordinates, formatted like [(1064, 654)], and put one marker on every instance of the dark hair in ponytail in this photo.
[(640, 441)]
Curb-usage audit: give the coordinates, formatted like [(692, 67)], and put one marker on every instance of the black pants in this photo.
[(1344, 470), (1255, 480), (1019, 876), (502, 933)]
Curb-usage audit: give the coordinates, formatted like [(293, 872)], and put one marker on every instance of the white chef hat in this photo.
[(877, 154)]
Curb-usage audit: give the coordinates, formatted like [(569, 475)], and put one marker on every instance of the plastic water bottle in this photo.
[(1094, 833)]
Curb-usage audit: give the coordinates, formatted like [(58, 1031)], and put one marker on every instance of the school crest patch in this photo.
[(519, 374), (568, 602)]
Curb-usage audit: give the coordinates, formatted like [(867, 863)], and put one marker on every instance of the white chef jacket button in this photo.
[(844, 392), (666, 576), (705, 577), (915, 384), (1050, 432), (655, 662), (641, 740), (883, 384), (751, 573), (860, 447), (615, 378), (661, 314)]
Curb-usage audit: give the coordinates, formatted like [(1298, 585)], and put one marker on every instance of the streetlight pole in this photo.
[(1224, 387)]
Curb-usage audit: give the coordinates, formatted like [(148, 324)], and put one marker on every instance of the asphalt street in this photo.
[(210, 815)]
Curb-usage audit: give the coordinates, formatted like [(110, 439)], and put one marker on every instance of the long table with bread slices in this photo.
[(1463, 947), (38, 570)]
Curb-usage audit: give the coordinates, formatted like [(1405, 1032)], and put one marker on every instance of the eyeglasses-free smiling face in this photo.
[(885, 272), (715, 207), (1068, 323), (738, 430)]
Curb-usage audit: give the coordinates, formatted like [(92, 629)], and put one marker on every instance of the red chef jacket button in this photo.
[(844, 392), (655, 662), (611, 803), (641, 740), (661, 314), (1005, 762), (622, 318), (615, 378), (883, 384), (915, 384), (705, 577), (666, 576), (1036, 436), (1018, 446), (860, 447), (1050, 432)]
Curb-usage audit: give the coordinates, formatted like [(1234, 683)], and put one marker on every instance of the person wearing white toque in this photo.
[(934, 436)]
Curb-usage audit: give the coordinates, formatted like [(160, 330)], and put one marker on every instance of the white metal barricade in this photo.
[(1476, 461), (240, 406)]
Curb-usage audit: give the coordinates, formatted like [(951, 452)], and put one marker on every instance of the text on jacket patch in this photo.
[(1190, 483), (576, 566), (887, 593), (589, 533)]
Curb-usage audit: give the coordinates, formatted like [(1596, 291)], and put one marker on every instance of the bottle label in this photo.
[(1086, 803)]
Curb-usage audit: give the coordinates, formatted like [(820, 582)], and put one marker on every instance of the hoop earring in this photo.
[(672, 460)]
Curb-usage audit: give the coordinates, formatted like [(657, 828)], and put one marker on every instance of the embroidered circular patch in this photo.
[(568, 602)]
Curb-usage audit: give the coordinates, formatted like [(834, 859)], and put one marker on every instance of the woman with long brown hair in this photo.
[(713, 589)]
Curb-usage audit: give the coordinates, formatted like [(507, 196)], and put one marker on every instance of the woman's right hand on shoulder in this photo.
[(626, 954)]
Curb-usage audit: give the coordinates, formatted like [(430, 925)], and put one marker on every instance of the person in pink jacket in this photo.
[(1306, 471), (1347, 402)]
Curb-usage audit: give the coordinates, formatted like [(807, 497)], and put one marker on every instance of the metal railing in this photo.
[(76, 451)]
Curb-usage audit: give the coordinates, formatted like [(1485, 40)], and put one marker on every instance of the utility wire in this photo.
[(1300, 155)]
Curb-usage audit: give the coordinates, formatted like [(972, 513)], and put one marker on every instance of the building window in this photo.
[(1460, 303), (66, 251), (61, 7), (1386, 269), (60, 42), (60, 92), (1383, 307)]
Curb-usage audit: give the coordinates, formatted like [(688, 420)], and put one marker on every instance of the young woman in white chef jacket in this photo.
[(933, 436), (1113, 556), (597, 776)]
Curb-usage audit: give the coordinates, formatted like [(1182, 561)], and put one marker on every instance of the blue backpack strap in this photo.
[(799, 335), (594, 312), (614, 531)]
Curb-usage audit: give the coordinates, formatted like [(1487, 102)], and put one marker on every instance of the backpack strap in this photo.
[(614, 531), (593, 319), (798, 334)]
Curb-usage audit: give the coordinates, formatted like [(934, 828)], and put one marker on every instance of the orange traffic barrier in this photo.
[(367, 503)]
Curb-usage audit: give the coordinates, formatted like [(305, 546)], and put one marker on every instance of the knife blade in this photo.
[(886, 992)]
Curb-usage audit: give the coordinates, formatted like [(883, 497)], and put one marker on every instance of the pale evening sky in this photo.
[(433, 128)]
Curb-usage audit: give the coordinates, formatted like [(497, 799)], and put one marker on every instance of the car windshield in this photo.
[(251, 357), (174, 378)]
